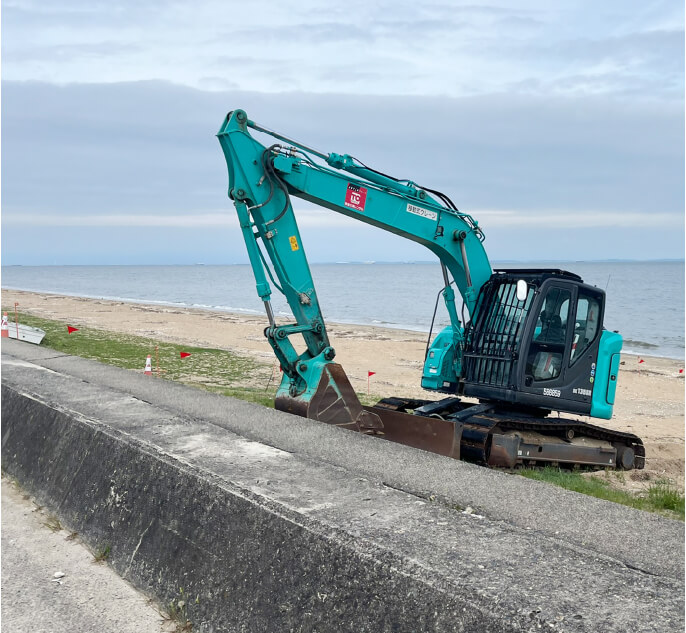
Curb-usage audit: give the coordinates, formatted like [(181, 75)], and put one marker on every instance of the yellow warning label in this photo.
[(294, 243)]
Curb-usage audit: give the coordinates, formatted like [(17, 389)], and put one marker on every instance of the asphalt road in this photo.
[(89, 597)]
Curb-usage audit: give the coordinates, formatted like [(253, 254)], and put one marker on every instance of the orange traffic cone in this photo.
[(148, 366), (5, 327)]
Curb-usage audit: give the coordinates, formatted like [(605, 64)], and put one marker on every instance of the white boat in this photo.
[(25, 332)]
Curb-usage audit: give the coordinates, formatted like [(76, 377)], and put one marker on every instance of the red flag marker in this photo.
[(640, 360), (369, 374), (71, 329), (681, 371), (184, 354)]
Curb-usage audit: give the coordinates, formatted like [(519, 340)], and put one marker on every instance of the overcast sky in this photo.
[(558, 126)]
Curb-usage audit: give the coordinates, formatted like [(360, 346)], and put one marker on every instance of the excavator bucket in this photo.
[(334, 402)]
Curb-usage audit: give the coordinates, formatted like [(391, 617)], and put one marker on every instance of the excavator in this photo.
[(521, 344)]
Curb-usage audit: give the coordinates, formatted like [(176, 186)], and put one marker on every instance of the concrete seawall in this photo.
[(271, 522)]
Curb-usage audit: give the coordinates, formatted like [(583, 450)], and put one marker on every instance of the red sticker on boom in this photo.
[(355, 197)]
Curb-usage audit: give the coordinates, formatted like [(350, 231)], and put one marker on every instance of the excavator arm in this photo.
[(261, 181)]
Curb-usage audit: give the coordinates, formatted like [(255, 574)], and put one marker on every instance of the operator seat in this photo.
[(553, 332)]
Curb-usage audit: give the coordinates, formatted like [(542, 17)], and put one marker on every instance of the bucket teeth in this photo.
[(334, 402)]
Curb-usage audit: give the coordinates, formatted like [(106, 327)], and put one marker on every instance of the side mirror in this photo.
[(522, 290)]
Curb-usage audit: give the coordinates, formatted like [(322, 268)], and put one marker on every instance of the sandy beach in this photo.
[(650, 395)]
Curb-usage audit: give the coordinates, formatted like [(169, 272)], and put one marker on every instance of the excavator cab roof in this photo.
[(538, 273)]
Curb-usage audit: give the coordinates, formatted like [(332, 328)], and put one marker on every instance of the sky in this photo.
[(558, 126)]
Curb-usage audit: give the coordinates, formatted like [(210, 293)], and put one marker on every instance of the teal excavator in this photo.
[(525, 343)]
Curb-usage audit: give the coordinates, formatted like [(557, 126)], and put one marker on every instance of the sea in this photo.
[(645, 300)]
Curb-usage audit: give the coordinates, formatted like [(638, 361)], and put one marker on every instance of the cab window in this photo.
[(552, 319), (585, 325), (544, 361)]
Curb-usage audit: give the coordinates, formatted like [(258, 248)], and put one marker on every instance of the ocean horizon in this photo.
[(645, 298)]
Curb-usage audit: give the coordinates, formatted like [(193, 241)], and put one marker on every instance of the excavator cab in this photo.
[(545, 349)]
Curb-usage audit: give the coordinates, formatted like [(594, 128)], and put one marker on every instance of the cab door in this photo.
[(558, 360), (544, 357)]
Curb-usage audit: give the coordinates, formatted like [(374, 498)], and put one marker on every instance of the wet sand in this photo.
[(650, 395)]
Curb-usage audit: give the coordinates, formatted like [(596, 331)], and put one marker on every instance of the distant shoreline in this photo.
[(421, 262), (250, 313)]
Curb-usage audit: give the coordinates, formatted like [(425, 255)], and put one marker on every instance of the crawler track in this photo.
[(482, 434)]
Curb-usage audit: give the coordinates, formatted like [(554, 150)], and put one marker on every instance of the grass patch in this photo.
[(102, 553), (368, 400), (177, 613), (662, 497), (53, 523), (265, 397), (214, 370)]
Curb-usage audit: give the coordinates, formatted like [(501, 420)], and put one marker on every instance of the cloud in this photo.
[(224, 218), (123, 220), (143, 156), (557, 219), (214, 83), (322, 218), (72, 15), (70, 52), (632, 49), (359, 48), (644, 64)]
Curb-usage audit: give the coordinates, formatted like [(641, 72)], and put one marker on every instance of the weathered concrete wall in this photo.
[(274, 539)]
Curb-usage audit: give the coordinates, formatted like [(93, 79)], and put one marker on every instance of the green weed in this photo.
[(102, 553), (52, 523), (664, 496), (368, 400), (661, 497), (177, 612)]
